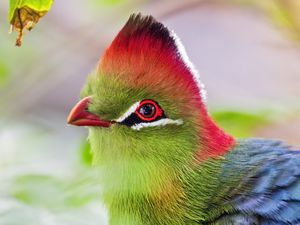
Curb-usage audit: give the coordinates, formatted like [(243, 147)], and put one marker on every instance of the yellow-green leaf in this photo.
[(25, 14)]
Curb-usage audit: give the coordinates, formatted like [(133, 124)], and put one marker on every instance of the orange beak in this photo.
[(80, 116)]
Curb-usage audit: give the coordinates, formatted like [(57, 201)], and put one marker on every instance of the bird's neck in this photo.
[(160, 208), (142, 196), (173, 200), (215, 143)]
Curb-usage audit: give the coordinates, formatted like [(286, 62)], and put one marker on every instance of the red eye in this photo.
[(149, 110)]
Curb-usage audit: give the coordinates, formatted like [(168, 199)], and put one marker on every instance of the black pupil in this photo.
[(147, 110)]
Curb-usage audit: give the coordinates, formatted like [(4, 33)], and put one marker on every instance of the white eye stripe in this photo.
[(161, 122), (128, 112)]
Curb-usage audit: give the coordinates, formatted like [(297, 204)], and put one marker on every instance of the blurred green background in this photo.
[(247, 53)]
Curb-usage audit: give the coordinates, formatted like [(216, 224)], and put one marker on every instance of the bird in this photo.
[(162, 159)]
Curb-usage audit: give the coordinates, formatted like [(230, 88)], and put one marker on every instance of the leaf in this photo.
[(3, 74), (85, 153), (240, 124), (25, 14), (38, 190)]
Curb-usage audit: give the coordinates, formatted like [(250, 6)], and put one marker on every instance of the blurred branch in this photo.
[(285, 13), (290, 11), (180, 8)]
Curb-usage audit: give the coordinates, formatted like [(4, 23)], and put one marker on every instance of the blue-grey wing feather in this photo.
[(272, 182)]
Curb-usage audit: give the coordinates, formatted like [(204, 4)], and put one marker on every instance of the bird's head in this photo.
[(144, 103)]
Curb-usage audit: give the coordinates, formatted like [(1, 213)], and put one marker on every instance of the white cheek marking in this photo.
[(161, 122), (128, 112), (190, 65)]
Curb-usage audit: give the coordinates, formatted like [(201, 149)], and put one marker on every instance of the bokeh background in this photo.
[(247, 53)]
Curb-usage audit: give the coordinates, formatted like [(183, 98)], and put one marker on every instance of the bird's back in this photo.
[(264, 177)]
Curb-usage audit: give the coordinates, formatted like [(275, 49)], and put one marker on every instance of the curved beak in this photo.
[(80, 116)]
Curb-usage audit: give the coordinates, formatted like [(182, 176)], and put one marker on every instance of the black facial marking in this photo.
[(148, 111)]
